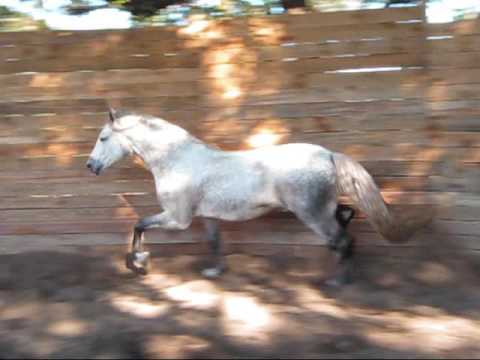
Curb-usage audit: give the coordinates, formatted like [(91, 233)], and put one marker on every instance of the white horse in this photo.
[(193, 179)]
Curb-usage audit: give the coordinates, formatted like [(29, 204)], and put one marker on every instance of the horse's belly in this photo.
[(235, 210), (238, 202), (239, 190)]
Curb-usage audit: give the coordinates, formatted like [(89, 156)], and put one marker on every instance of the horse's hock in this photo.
[(395, 93)]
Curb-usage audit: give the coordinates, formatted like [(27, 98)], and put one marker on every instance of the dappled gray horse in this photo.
[(193, 179)]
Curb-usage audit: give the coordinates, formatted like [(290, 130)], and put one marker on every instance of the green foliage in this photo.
[(14, 21)]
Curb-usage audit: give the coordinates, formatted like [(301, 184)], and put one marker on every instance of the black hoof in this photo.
[(339, 280), (132, 264)]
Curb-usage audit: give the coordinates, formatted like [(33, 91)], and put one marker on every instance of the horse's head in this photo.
[(111, 146)]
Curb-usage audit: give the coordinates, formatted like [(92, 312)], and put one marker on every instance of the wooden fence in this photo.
[(371, 83)]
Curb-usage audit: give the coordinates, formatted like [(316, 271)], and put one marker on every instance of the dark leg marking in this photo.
[(213, 236), (343, 245)]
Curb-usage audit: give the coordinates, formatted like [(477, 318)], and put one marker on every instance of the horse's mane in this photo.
[(151, 121), (157, 123)]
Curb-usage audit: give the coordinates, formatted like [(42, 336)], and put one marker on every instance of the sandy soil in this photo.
[(73, 304)]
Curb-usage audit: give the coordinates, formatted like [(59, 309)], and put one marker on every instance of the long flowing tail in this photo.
[(355, 182)]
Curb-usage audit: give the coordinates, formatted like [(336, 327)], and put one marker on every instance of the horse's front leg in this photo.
[(213, 236), (137, 259)]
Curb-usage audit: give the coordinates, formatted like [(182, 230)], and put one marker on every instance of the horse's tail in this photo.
[(355, 182)]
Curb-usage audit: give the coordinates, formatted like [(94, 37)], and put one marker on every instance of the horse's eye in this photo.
[(103, 139)]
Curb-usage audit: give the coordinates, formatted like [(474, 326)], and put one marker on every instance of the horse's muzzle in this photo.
[(94, 166)]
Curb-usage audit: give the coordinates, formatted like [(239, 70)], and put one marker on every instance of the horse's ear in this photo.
[(112, 113)]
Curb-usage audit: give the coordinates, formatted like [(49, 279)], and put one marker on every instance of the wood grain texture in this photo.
[(414, 126)]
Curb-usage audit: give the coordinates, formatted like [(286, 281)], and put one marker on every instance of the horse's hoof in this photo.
[(211, 273), (138, 262), (214, 272), (334, 283), (338, 281)]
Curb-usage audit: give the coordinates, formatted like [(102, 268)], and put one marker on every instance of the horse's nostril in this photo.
[(89, 165)]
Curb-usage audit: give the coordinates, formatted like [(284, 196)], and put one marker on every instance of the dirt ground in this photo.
[(87, 305)]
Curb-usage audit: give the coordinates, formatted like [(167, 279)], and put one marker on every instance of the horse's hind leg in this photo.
[(213, 237), (322, 219), (345, 243), (343, 246)]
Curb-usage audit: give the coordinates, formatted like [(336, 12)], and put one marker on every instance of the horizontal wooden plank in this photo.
[(460, 213), (94, 49), (56, 62), (113, 51), (315, 65), (46, 149), (346, 32), (457, 60), (281, 222), (93, 214), (93, 90), (94, 85), (64, 191), (338, 48), (449, 43), (394, 78), (101, 78), (149, 105), (83, 220), (128, 170), (104, 79), (138, 200), (212, 64), (457, 227), (455, 28), (453, 76), (248, 95), (451, 105), (318, 254), (454, 120), (390, 168), (352, 17), (379, 138), (134, 200), (447, 92), (412, 138), (83, 187), (53, 129), (79, 58), (360, 151), (103, 39), (157, 105), (268, 235), (77, 188)]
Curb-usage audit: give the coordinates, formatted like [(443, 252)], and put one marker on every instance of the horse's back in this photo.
[(300, 172), (292, 156)]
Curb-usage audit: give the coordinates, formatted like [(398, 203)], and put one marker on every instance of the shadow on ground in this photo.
[(79, 305)]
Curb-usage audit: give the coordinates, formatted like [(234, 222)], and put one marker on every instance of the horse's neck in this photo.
[(158, 147)]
